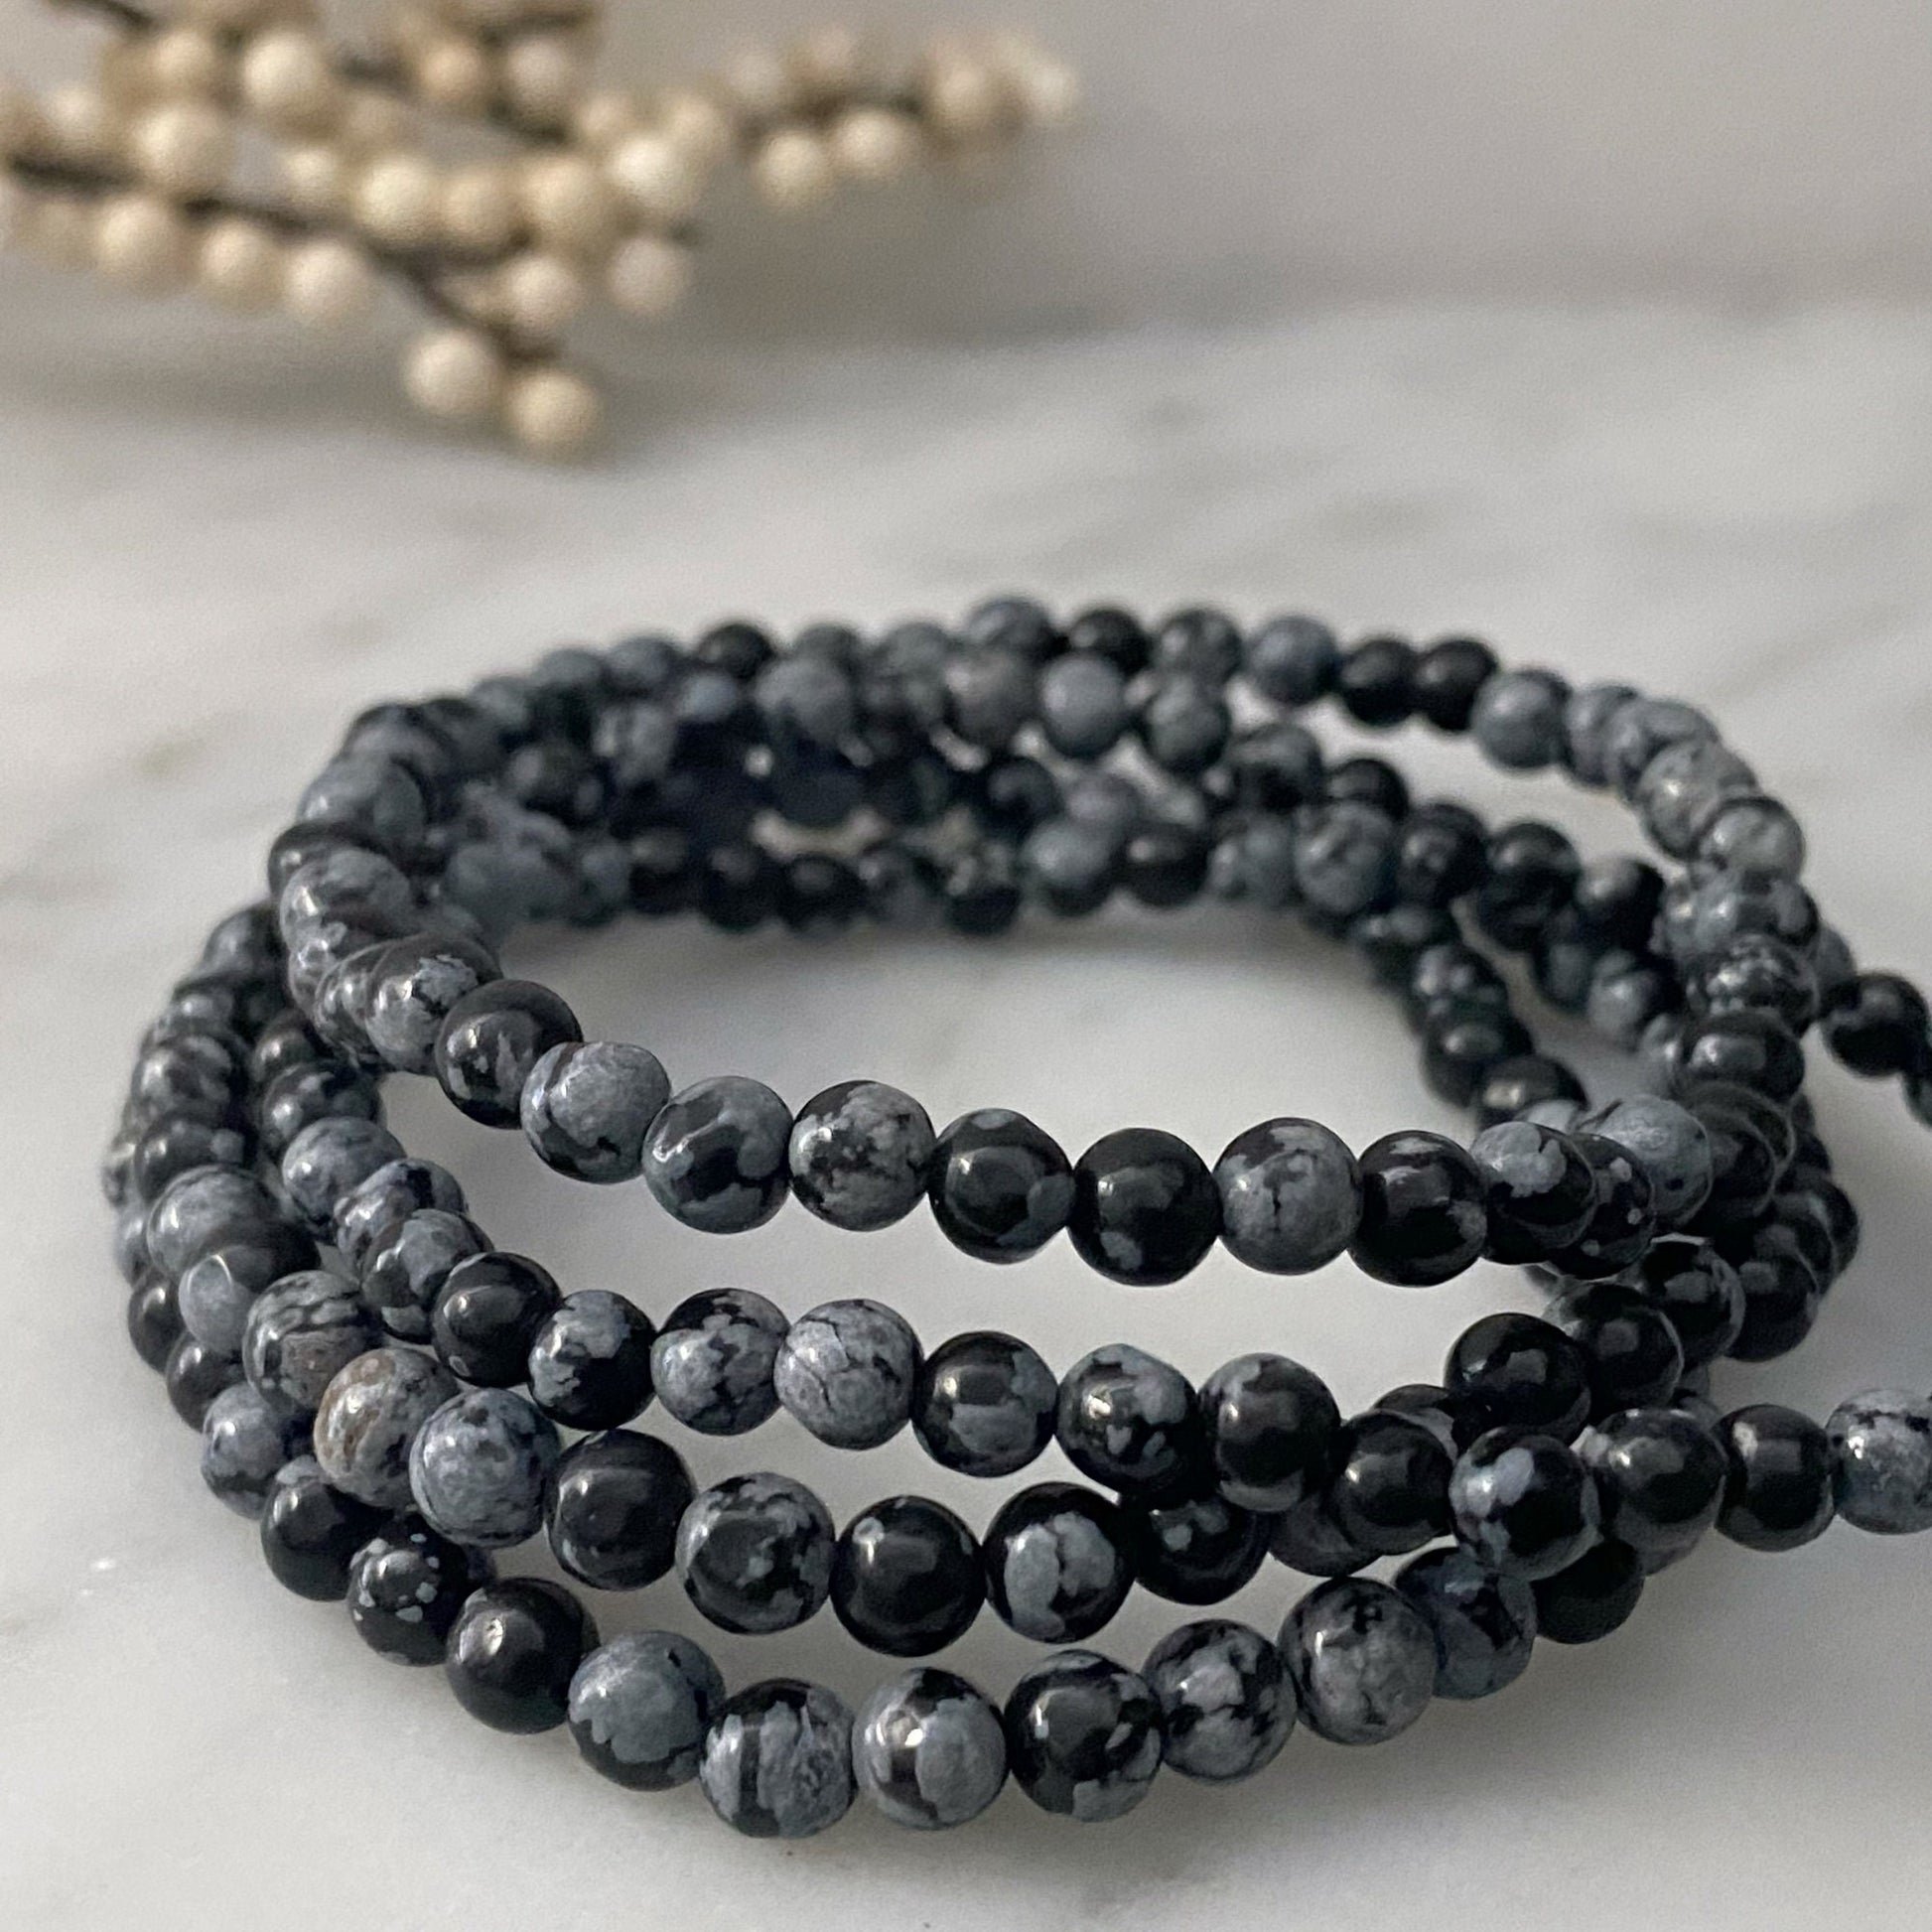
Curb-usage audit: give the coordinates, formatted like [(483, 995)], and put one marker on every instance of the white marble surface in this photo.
[(202, 574)]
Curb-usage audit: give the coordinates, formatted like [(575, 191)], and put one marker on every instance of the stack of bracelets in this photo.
[(394, 1399)]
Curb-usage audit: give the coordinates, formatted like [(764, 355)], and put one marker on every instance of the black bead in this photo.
[(1876, 1025), (1392, 939), (1271, 1427), (611, 1509), (406, 1585), (195, 1376), (152, 1317), (906, 1577), (1540, 1192), (1000, 1188), (1754, 1050), (985, 1404), (1659, 1479), (1526, 1373), (288, 1041), (1591, 1598), (1377, 681), (1194, 1549), (1531, 871), (1459, 1418), (311, 1532), (1773, 1119), (1697, 1290), (1615, 903), (1164, 865), (1390, 1491), (1451, 972), (821, 895), (1760, 973), (321, 1090), (1012, 795), (981, 892), (590, 1364), (1199, 640), (1778, 1491), (739, 885), (1021, 624), (1274, 769), (1128, 1422), (1743, 1167), (1043, 1582), (488, 1312), (1448, 678), (1781, 1302), (743, 649), (1461, 1041), (1368, 781), (1523, 1503), (1624, 1219), (663, 872), (513, 1651), (1513, 1086), (1115, 634), (1440, 855), (1423, 1218), (1145, 1207), (1634, 1357), (489, 1042)]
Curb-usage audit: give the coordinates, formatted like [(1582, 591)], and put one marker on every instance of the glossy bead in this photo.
[(1084, 1736), (311, 1532), (1128, 1421), (1448, 679), (152, 1317), (1761, 972), (1306, 1539), (1083, 706), (1525, 1372), (406, 1267), (488, 1312), (406, 1585), (1345, 858), (611, 1509), (1194, 1548), (1457, 1418), (412, 987), (906, 1576), (1461, 1043), (395, 1191), (1226, 1704), (777, 1760), (1362, 1659), (712, 1360), (588, 1105), (1882, 1455), (199, 1210), (1290, 1196), (193, 1376), (1518, 719), (859, 1154), (1877, 1025), (1440, 855), (306, 1094), (329, 1158), (1779, 1482), (590, 1364), (513, 1651), (1539, 1190), (754, 1553), (1390, 1490), (716, 1157), (1057, 1564), (1748, 1047), (489, 1042), (1588, 1599), (999, 1189), (1638, 730), (1513, 1087), (1659, 1479), (479, 1466), (1271, 1427), (1145, 1207), (218, 1289), (1697, 1291), (984, 1404), (1422, 1216), (1485, 1625), (1782, 1296), (1524, 1505), (298, 1334), (1670, 1143), (244, 1443), (928, 1749), (1631, 1352), (1623, 1220), (638, 1707), (1183, 724), (847, 1370)]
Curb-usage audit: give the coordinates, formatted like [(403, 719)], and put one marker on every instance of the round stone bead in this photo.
[(754, 1553), (1780, 1480), (406, 1267), (1670, 1144), (1128, 1421), (984, 1404), (1484, 1624), (478, 1466), (1390, 1490), (311, 1532), (1271, 1428), (1457, 1420), (1590, 1598), (323, 1090), (395, 1191), (859, 1154), (1070, 867), (588, 1106), (1226, 1704), (1523, 1504), (369, 1414), (329, 1158), (999, 1187), (513, 1650), (928, 1749), (1183, 724), (1362, 1659), (1526, 1373), (777, 1759), (1659, 1479), (1308, 1539), (712, 1360), (906, 1577), (412, 987), (847, 1371), (1539, 1191), (489, 1311), (1517, 720), (1146, 1210), (1882, 1455), (1083, 705), (1293, 660), (1623, 1220), (1084, 1736), (1875, 1024), (1683, 786), (1056, 1562), (611, 1509), (178, 1143), (1194, 1549), (154, 1318), (1449, 677), (371, 795), (299, 1334), (1698, 1292), (590, 1364), (1345, 858), (639, 1706), (1749, 832), (244, 1442), (1423, 1217), (991, 695), (1751, 1048), (199, 1210), (406, 1585), (1290, 1196), (1253, 864), (218, 1289), (193, 1376), (1631, 1351), (716, 1156), (1586, 725), (489, 1042)]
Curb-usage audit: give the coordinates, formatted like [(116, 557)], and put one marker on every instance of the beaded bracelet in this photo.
[(1760, 816)]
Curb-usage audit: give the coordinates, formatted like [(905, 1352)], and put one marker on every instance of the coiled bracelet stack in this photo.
[(385, 1391)]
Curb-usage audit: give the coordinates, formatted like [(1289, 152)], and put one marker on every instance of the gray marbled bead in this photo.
[(640, 1707), (712, 1361), (777, 1760), (754, 1553), (379, 799), (1254, 864), (985, 1404), (1586, 727), (404, 1270), (1292, 660), (1484, 1624), (395, 1190), (478, 1466), (588, 1105), (1225, 1699), (412, 991), (347, 879), (1344, 857), (1518, 720), (847, 1370), (1671, 1146), (369, 1417), (1082, 705), (1290, 1196), (1881, 1451), (1363, 1660), (859, 1154), (198, 1209), (991, 695), (329, 1158), (1108, 800), (129, 1243), (1683, 785), (1183, 723), (1753, 833), (928, 1749), (243, 1443), (1641, 729), (716, 1157), (299, 1334), (807, 699), (1070, 866)]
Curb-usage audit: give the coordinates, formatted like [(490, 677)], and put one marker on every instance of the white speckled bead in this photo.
[(1290, 1196), (369, 1417), (243, 1443), (717, 1154), (1669, 1143), (640, 1707), (859, 1154), (478, 1466), (928, 1749), (588, 1106), (847, 1371), (299, 1334), (1363, 1660), (1881, 1451), (777, 1760), (754, 1553), (1226, 1704)]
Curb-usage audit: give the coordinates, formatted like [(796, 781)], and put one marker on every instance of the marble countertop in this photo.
[(204, 572)]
